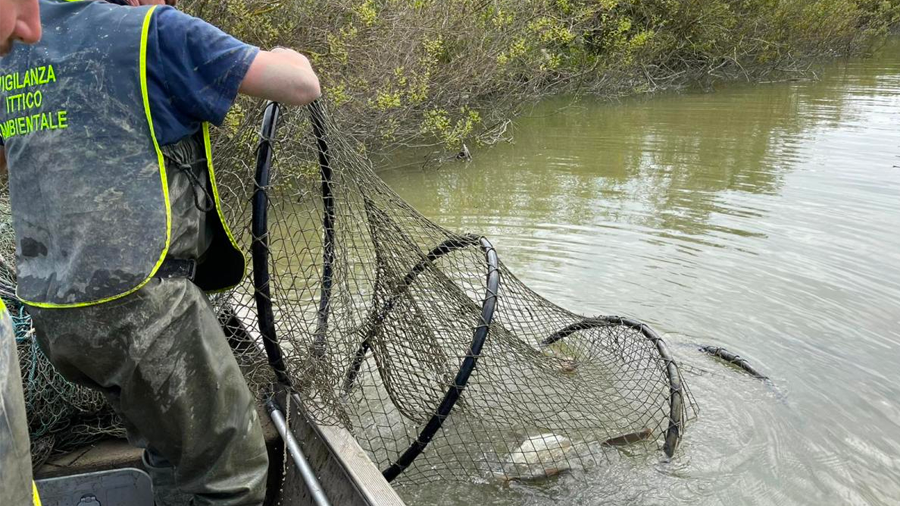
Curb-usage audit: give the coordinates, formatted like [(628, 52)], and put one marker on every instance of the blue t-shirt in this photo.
[(194, 71)]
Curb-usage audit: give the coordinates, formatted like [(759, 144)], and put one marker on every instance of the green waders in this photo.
[(163, 362), (15, 454), (165, 365)]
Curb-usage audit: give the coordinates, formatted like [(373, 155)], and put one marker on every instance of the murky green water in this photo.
[(763, 218)]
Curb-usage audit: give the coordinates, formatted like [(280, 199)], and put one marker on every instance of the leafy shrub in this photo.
[(404, 72)]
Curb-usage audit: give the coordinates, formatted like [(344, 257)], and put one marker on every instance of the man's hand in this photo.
[(282, 75)]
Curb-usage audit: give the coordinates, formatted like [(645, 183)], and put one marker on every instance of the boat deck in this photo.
[(344, 470)]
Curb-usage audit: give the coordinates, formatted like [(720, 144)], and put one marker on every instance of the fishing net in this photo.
[(415, 338), (419, 339), (61, 415)]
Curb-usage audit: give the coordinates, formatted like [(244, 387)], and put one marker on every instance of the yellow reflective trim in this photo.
[(207, 146), (145, 30), (37, 498)]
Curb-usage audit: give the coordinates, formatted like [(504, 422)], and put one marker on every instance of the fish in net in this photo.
[(417, 339)]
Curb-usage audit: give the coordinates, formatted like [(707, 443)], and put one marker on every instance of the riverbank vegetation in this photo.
[(444, 72)]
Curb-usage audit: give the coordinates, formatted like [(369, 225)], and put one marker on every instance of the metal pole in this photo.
[(306, 472), (265, 314)]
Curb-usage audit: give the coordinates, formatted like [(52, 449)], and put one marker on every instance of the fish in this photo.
[(627, 439), (538, 457), (547, 455), (567, 357), (735, 360), (568, 366)]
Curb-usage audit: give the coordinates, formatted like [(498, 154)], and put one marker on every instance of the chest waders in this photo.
[(88, 183)]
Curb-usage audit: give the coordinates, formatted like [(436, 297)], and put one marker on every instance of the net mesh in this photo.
[(377, 311), (417, 339)]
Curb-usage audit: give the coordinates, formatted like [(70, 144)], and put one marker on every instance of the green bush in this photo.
[(408, 72)]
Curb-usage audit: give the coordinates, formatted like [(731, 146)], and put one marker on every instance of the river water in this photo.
[(764, 218)]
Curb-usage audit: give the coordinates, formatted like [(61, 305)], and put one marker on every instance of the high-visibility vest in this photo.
[(88, 186)]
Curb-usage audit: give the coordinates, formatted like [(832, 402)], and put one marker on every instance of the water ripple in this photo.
[(760, 218)]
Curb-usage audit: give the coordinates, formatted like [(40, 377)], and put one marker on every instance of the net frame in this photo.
[(677, 397)]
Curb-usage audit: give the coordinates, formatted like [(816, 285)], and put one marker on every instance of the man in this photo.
[(19, 21), (119, 230)]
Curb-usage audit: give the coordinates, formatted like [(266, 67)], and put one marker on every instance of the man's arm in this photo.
[(3, 169), (282, 75)]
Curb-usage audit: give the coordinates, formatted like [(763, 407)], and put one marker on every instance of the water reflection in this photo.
[(758, 217)]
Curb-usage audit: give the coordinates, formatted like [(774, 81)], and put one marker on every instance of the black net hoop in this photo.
[(381, 313)]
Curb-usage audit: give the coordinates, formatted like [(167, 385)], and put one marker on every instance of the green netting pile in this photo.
[(61, 416), (417, 339)]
